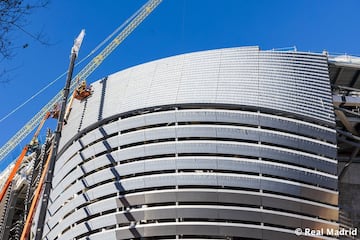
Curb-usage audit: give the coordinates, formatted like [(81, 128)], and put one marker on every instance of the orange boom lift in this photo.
[(21, 157)]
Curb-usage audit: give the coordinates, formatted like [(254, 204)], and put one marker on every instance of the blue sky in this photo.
[(175, 27)]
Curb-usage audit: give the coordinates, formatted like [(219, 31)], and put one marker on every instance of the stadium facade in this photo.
[(233, 143)]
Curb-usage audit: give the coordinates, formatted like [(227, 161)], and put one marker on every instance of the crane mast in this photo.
[(83, 74), (53, 156)]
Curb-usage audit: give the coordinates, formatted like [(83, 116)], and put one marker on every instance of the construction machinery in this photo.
[(22, 155), (134, 21), (82, 91), (38, 168)]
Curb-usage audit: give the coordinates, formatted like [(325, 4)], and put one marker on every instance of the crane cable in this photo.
[(107, 39)]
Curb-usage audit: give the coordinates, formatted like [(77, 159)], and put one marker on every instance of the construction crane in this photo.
[(50, 163), (143, 12), (79, 92)]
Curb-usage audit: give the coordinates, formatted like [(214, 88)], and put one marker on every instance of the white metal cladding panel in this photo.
[(70, 151), (254, 150), (201, 195), (218, 179), (206, 211), (114, 98), (242, 76), (71, 164), (199, 228), (66, 168), (218, 131), (287, 124), (238, 78), (245, 165), (211, 115), (184, 196), (287, 81), (227, 116), (102, 206)]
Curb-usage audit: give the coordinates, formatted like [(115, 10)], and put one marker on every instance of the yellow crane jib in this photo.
[(143, 12)]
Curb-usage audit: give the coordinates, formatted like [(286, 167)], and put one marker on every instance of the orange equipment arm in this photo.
[(69, 107), (47, 115), (29, 218), (20, 159), (13, 172)]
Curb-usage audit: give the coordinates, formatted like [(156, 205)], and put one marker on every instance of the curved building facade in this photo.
[(233, 143)]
